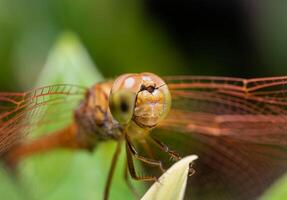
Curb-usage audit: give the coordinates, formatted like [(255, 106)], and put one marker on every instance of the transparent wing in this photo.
[(238, 127), (21, 113), (239, 108)]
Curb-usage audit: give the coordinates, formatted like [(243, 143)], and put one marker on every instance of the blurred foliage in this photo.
[(69, 62), (237, 38), (115, 33), (277, 191)]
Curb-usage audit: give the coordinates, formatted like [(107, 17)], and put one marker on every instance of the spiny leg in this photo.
[(129, 184), (112, 170), (132, 167), (164, 148), (146, 160)]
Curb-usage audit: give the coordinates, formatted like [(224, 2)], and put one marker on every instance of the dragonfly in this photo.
[(237, 127)]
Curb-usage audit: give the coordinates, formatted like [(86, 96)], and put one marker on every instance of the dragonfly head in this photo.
[(143, 98)]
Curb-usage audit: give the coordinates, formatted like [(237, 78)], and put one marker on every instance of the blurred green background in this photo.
[(237, 38), (223, 38)]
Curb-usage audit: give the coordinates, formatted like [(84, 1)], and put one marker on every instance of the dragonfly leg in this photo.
[(191, 170), (132, 168), (146, 160), (131, 152), (165, 148), (129, 184), (112, 170)]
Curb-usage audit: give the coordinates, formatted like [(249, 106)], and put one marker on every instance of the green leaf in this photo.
[(69, 62), (171, 185), (277, 191)]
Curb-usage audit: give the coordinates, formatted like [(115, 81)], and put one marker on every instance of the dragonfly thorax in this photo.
[(93, 116)]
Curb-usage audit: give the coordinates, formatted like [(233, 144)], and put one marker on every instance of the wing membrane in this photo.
[(20, 113), (230, 106), (238, 127)]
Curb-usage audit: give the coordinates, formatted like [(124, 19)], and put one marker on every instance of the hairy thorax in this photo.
[(93, 116)]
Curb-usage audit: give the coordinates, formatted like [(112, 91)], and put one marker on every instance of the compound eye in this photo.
[(122, 105), (123, 97)]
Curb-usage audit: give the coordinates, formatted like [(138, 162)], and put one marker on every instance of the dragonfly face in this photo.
[(141, 98)]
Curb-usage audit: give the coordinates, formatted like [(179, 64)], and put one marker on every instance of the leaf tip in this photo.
[(171, 185)]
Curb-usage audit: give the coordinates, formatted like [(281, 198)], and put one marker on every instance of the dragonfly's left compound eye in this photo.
[(122, 105), (143, 98)]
